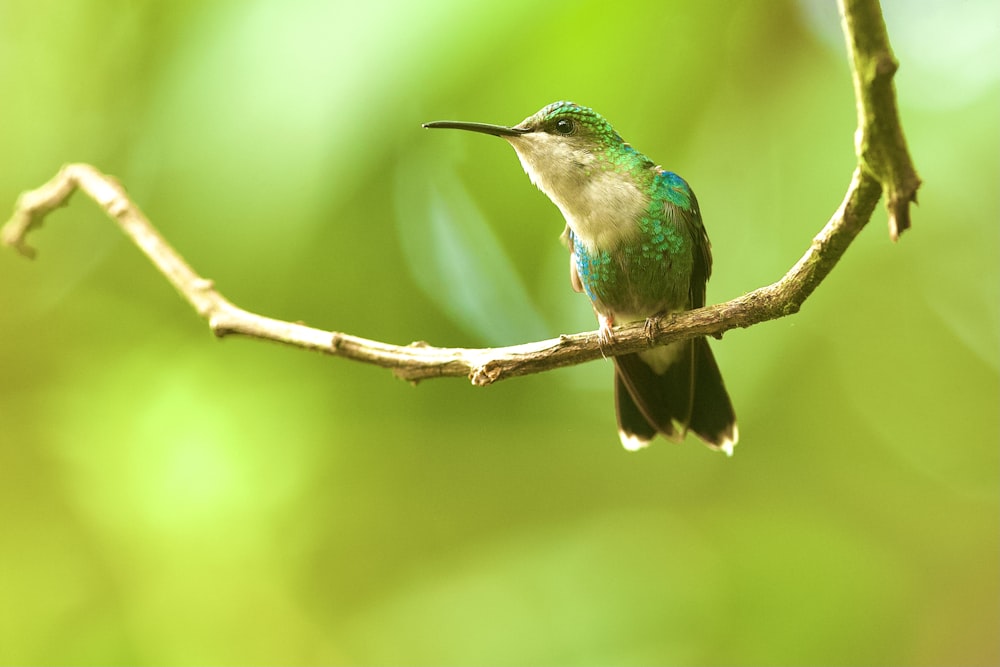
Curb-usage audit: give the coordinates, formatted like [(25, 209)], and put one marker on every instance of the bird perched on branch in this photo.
[(638, 249)]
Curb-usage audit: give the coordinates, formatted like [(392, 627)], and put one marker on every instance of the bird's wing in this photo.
[(677, 194), (701, 268)]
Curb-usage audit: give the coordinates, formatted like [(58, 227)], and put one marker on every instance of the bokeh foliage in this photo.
[(166, 498)]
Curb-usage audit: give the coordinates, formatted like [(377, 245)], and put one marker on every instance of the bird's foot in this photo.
[(650, 328)]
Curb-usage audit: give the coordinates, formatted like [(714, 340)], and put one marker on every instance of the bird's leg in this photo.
[(605, 334)]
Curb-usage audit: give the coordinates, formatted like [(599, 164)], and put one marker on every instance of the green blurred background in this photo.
[(167, 498)]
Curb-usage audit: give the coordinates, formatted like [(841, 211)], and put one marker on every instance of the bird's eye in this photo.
[(565, 126)]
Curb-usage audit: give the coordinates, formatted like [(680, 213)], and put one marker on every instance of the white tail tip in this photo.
[(631, 442)]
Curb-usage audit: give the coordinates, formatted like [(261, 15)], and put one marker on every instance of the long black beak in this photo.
[(485, 128)]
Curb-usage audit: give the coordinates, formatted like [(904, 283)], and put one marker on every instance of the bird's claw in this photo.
[(650, 328)]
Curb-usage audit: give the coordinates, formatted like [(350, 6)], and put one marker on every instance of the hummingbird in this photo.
[(638, 249)]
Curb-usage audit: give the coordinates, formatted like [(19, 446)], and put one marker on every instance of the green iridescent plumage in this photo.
[(648, 268), (638, 249)]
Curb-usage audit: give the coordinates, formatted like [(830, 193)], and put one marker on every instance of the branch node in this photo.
[(118, 207), (486, 374), (217, 326), (203, 284), (885, 65)]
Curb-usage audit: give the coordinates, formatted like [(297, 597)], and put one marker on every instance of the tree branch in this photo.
[(879, 140), (884, 166)]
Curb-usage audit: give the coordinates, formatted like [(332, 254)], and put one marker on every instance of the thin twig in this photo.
[(884, 166)]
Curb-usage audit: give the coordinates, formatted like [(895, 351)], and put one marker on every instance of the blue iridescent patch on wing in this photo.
[(670, 187)]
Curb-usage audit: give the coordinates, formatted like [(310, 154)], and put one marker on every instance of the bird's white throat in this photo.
[(602, 206)]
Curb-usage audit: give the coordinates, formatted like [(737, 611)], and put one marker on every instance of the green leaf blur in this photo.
[(167, 498)]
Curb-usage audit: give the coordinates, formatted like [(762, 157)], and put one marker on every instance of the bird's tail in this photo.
[(687, 395)]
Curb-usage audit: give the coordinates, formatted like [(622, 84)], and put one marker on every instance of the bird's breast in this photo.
[(603, 210), (631, 280)]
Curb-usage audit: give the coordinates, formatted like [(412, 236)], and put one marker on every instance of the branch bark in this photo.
[(879, 140), (884, 166)]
